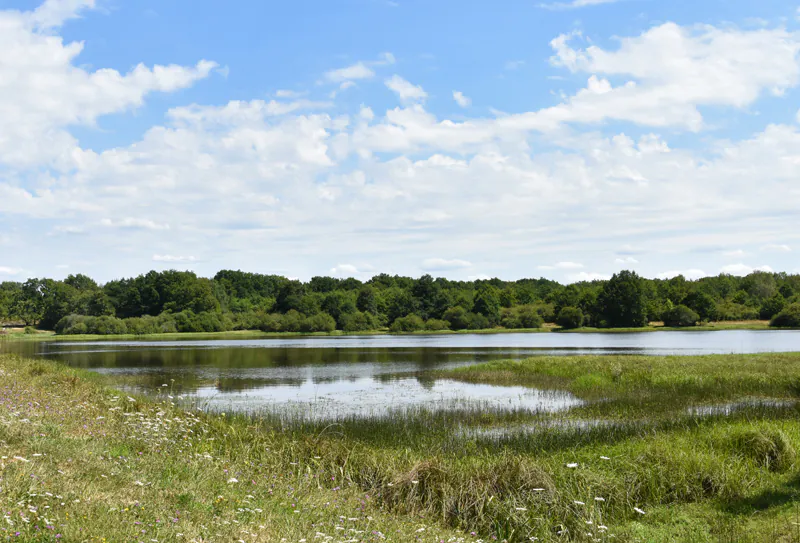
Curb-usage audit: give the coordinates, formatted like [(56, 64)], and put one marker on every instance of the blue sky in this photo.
[(562, 139)]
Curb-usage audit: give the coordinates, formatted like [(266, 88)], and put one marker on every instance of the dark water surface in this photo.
[(369, 374)]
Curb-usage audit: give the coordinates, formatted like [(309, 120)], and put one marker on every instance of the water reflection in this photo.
[(374, 372)]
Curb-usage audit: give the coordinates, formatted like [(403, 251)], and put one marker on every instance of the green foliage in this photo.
[(487, 303), (788, 318), (409, 323), (235, 300), (321, 322), (680, 316), (570, 318), (436, 325), (359, 322), (622, 303)]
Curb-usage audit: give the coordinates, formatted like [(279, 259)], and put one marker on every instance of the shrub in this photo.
[(358, 322), (478, 322), (457, 317), (524, 316), (271, 323), (680, 316), (409, 323), (788, 318), (106, 326), (321, 322), (436, 325), (292, 321), (570, 318), (30, 330)]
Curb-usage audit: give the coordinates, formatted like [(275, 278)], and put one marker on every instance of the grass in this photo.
[(86, 463)]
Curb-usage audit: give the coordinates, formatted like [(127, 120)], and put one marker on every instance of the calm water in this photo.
[(369, 374)]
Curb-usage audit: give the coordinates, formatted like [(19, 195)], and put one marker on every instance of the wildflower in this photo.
[(572, 465), (639, 511), (576, 502), (599, 499), (604, 458), (233, 480), (521, 508)]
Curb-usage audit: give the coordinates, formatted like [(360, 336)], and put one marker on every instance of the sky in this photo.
[(467, 139)]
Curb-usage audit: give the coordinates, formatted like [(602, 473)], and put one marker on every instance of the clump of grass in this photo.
[(771, 449)]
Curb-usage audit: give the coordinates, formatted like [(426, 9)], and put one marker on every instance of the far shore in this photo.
[(18, 334)]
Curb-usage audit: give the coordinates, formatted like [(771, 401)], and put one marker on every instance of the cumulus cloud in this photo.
[(406, 91), (690, 274), (6, 270), (562, 266), (173, 258), (776, 248), (461, 100), (626, 260), (743, 269), (587, 276), (575, 4), (253, 178), (134, 223), (443, 264)]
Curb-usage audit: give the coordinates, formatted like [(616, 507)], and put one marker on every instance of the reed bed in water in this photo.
[(82, 462)]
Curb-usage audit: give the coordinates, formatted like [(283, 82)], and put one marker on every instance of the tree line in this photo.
[(180, 301)]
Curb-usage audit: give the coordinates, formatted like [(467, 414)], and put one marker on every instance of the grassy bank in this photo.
[(81, 462)]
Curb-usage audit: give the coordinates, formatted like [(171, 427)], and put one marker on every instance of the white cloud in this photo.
[(587, 276), (349, 270), (562, 266), (575, 4), (673, 70), (736, 253), (43, 91), (690, 274), (512, 65), (461, 100), (134, 223), (743, 269), (406, 91), (776, 248), (54, 13), (442, 264), (173, 258), (5, 270), (626, 260), (355, 71)]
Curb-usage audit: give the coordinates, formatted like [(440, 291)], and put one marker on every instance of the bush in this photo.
[(358, 322), (458, 317), (271, 323), (570, 318), (30, 330), (680, 316), (409, 323), (524, 316), (479, 322), (788, 318), (321, 322), (436, 325), (106, 326), (292, 321)]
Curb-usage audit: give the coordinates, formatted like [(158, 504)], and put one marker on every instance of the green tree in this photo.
[(788, 318), (680, 316), (367, 301), (570, 318), (487, 303), (622, 302)]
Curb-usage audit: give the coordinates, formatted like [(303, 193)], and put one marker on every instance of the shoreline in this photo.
[(254, 334)]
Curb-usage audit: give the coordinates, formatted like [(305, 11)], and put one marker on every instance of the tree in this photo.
[(680, 316), (487, 303), (772, 306), (458, 317), (622, 302), (367, 301), (788, 318), (409, 323), (570, 318)]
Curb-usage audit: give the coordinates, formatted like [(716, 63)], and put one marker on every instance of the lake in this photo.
[(367, 375)]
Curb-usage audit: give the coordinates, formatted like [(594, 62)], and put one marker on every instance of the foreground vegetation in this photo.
[(81, 462), (180, 302)]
